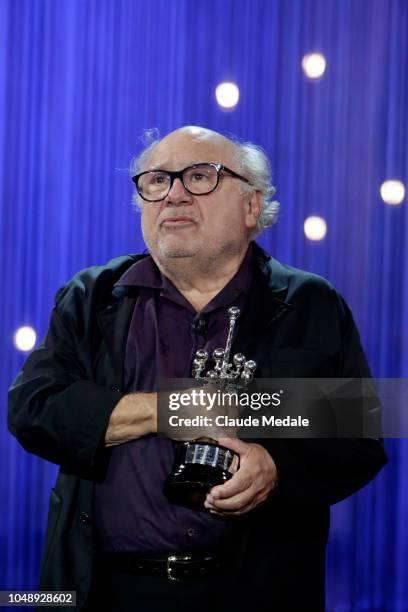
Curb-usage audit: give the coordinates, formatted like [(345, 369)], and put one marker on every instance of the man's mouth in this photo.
[(177, 222)]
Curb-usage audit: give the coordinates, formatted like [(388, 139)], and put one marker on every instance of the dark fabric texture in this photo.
[(295, 325)]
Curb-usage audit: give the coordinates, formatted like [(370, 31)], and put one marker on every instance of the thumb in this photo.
[(238, 446)]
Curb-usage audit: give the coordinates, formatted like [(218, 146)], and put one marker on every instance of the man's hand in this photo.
[(134, 416), (249, 486)]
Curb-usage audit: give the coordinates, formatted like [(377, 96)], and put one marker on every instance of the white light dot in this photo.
[(227, 95), (315, 228), (392, 192), (314, 65), (24, 338)]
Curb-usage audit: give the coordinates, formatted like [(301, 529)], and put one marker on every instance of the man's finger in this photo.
[(236, 502), (235, 444), (240, 481), (233, 513)]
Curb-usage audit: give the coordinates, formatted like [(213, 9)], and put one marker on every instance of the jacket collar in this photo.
[(272, 274)]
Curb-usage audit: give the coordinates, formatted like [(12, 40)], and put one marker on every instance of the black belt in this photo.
[(175, 566)]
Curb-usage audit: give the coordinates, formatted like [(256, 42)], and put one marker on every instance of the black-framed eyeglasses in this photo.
[(200, 179)]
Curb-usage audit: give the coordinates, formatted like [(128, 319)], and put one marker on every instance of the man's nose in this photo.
[(178, 193)]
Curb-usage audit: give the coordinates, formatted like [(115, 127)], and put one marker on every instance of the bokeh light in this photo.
[(25, 338), (315, 228), (227, 95), (392, 192), (314, 65)]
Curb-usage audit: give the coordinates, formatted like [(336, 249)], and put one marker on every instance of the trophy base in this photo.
[(189, 485)]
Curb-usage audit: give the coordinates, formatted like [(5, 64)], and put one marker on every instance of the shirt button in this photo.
[(85, 518), (191, 532)]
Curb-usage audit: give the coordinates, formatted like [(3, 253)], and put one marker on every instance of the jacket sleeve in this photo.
[(55, 410), (327, 469)]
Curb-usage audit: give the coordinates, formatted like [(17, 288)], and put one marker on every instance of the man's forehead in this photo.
[(186, 148)]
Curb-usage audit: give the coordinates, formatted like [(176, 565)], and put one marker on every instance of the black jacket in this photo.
[(295, 325)]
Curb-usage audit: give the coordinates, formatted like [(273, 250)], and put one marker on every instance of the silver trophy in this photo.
[(202, 463), (223, 372)]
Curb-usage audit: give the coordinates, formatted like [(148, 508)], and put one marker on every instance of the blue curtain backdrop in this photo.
[(81, 79)]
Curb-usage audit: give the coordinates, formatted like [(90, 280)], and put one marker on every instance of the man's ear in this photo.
[(253, 209)]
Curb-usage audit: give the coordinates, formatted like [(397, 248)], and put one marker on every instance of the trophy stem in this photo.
[(225, 360)]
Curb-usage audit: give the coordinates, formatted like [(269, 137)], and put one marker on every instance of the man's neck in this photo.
[(200, 280)]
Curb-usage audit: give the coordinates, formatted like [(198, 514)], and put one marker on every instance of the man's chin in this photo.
[(177, 250)]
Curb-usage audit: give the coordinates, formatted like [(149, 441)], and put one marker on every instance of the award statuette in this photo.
[(202, 463)]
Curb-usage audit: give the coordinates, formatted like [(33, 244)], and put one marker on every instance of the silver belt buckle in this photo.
[(175, 558)]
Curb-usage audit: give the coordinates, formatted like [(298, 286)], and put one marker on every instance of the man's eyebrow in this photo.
[(163, 166)]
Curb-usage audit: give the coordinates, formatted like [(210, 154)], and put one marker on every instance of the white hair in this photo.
[(250, 159)]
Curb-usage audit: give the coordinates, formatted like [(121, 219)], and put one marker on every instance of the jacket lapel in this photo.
[(114, 320), (266, 303)]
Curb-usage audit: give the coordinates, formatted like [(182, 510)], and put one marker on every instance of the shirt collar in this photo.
[(145, 273)]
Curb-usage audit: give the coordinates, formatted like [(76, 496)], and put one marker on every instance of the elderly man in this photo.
[(86, 400)]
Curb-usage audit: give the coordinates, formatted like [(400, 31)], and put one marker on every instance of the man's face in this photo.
[(185, 225)]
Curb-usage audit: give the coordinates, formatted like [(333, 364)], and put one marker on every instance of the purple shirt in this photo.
[(131, 511)]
